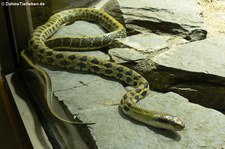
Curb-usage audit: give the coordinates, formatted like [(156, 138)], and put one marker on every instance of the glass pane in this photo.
[(60, 134)]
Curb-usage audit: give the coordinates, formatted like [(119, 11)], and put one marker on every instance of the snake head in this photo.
[(169, 122)]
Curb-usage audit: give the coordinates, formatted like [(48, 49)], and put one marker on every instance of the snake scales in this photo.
[(52, 51)]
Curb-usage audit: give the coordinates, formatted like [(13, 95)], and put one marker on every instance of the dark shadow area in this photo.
[(11, 119), (7, 139)]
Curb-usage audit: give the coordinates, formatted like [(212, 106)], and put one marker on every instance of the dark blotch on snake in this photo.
[(46, 34), (38, 31), (81, 65), (126, 108), (50, 53), (146, 85), (137, 98), (125, 96), (64, 63), (137, 90), (36, 39), (83, 59), (131, 93), (59, 56), (129, 72), (108, 71), (36, 46), (42, 51), (144, 93), (121, 102), (38, 42), (50, 60), (119, 75), (135, 83), (51, 30), (108, 65), (72, 57), (95, 61), (137, 77), (57, 24), (120, 69), (31, 42), (46, 31), (52, 22), (38, 35), (129, 105), (95, 68), (41, 28), (128, 80)]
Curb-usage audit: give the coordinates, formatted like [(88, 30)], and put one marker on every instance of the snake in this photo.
[(59, 52)]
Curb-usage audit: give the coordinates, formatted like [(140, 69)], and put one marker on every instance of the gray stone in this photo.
[(178, 17), (79, 28), (194, 70), (137, 48), (83, 91), (206, 56), (89, 97), (123, 55), (112, 7), (145, 43)]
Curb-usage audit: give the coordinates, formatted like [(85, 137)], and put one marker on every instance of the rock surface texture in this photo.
[(180, 68), (89, 96), (194, 70), (183, 18)]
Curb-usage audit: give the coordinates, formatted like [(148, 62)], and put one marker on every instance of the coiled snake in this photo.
[(52, 51)]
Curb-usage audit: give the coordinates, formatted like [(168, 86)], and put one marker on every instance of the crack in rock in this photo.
[(76, 86)]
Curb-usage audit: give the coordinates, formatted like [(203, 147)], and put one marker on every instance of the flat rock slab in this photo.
[(89, 96), (137, 48), (123, 55), (194, 70), (206, 56), (146, 43), (178, 17)]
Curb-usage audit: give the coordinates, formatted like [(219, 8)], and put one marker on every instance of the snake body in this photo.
[(50, 51)]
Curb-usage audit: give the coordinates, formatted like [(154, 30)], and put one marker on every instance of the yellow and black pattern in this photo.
[(50, 51)]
